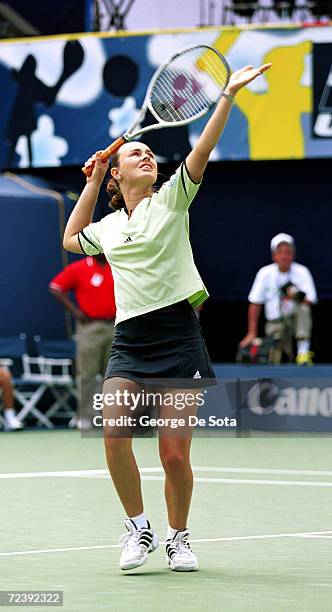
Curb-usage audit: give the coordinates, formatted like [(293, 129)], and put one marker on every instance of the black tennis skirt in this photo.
[(160, 346)]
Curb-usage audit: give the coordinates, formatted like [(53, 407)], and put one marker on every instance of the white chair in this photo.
[(24, 389), (11, 350), (48, 371)]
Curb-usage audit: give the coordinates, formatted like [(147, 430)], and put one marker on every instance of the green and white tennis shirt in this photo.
[(150, 253)]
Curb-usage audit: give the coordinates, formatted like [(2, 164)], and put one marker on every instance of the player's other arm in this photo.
[(82, 214), (198, 158)]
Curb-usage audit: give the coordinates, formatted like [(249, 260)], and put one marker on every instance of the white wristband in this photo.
[(228, 97)]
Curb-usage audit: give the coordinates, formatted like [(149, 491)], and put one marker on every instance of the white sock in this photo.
[(303, 346), (171, 533), (140, 521)]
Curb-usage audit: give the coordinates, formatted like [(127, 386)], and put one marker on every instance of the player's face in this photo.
[(284, 256), (137, 164)]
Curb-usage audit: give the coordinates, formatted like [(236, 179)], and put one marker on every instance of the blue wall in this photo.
[(30, 251)]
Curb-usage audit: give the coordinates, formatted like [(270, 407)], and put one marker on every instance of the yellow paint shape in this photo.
[(274, 117), (223, 43)]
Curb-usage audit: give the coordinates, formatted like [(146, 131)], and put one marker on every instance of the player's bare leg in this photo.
[(174, 453), (140, 539)]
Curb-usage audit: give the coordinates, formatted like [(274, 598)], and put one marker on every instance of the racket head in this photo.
[(187, 85)]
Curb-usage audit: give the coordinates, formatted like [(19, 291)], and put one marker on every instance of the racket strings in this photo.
[(168, 106), (162, 102), (174, 104), (189, 84)]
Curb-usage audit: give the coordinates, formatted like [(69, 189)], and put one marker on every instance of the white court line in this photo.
[(59, 474), (102, 472), (227, 539), (316, 535), (241, 470), (289, 483)]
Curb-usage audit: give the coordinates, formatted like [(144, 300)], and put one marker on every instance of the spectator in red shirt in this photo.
[(91, 281)]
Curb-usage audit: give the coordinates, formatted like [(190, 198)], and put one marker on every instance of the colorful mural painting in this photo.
[(63, 99)]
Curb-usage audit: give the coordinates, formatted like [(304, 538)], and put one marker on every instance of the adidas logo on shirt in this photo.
[(197, 375), (127, 240)]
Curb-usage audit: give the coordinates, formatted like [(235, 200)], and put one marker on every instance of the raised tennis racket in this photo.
[(182, 90)]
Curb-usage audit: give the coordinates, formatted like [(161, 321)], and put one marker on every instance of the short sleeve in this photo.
[(66, 280), (89, 239), (178, 193), (257, 292)]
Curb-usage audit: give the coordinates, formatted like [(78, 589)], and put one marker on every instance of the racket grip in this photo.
[(113, 148), (106, 154)]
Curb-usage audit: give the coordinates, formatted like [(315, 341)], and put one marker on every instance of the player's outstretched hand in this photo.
[(241, 78), (96, 168)]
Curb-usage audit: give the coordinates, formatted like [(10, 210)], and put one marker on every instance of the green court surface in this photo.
[(261, 525)]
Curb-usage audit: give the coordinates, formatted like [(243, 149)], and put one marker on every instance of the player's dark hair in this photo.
[(113, 188)]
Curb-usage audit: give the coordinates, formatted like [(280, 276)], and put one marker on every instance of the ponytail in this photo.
[(113, 189)]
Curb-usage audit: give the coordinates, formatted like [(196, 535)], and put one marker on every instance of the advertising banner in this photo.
[(272, 398), (63, 99)]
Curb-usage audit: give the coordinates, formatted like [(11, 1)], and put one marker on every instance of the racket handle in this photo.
[(113, 148), (106, 154)]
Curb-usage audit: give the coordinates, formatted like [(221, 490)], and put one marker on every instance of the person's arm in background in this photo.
[(82, 214), (198, 158), (256, 298), (65, 300), (309, 288), (254, 312)]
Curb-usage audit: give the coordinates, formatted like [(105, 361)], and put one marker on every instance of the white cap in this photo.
[(279, 238)]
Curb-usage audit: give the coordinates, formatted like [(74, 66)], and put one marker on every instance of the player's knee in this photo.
[(173, 460), (116, 446)]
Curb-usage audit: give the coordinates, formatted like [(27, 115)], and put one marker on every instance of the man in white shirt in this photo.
[(287, 290)]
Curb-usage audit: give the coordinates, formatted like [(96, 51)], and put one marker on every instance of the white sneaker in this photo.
[(179, 555), (11, 421), (137, 544), (82, 424), (73, 422)]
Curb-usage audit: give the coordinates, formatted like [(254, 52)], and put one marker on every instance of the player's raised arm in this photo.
[(82, 214), (199, 156)]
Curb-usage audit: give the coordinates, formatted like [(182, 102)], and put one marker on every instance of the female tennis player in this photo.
[(157, 287)]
